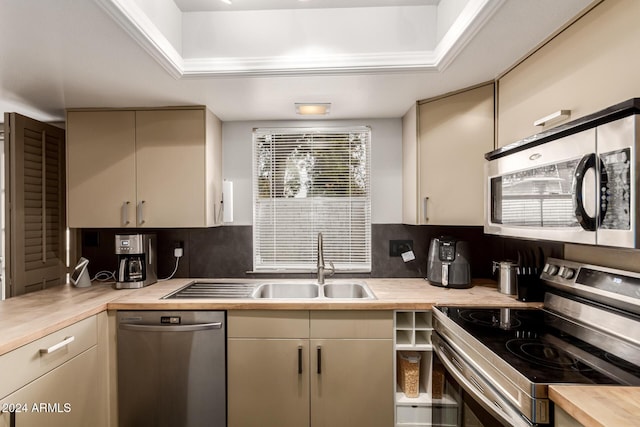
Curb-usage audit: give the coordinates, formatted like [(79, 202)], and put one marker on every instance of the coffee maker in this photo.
[(448, 263), (136, 260)]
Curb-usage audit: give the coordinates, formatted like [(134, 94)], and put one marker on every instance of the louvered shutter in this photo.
[(308, 181), (36, 255)]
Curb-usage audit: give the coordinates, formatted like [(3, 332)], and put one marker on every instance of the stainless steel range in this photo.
[(502, 360)]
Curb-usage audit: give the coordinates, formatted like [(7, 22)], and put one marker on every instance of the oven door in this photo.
[(545, 192), (479, 403)]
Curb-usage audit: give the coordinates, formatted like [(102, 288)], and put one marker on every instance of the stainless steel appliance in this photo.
[(171, 368), (574, 183), (500, 361), (136, 260), (448, 263)]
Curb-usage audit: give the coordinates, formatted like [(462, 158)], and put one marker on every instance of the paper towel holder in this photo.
[(227, 201)]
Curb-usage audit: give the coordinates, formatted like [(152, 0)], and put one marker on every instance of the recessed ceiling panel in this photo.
[(220, 5)]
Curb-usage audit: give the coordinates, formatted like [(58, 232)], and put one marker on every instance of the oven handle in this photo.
[(499, 409)]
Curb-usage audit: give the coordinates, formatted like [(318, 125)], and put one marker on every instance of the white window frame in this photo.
[(285, 229)]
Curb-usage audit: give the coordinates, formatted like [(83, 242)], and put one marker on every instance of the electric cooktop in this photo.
[(543, 347)]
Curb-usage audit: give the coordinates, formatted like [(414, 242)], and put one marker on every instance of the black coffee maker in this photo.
[(136, 260), (448, 263)]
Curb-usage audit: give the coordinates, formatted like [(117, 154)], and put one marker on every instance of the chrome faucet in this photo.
[(321, 265)]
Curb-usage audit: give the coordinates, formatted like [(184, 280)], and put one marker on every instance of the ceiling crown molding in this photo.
[(473, 17), (138, 25)]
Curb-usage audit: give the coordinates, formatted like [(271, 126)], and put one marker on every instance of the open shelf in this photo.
[(413, 330), (412, 333), (423, 320)]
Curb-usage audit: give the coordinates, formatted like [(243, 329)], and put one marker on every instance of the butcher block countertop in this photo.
[(391, 294), (28, 317), (598, 406)]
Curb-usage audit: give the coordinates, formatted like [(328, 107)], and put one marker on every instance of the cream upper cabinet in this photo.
[(144, 168), (589, 66), (101, 168), (318, 368), (443, 159)]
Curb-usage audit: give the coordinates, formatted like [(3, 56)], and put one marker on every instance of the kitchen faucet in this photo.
[(321, 266)]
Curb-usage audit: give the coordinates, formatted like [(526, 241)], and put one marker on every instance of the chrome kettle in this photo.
[(507, 276)]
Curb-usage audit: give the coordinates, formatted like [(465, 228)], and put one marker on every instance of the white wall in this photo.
[(386, 164)]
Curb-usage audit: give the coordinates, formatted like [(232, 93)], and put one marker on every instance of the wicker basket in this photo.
[(409, 373)]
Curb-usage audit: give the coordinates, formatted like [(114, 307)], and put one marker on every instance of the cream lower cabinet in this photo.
[(64, 387), (318, 368), (444, 141), (143, 168), (563, 419)]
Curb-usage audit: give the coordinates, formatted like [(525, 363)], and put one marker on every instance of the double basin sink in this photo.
[(303, 290), (313, 291)]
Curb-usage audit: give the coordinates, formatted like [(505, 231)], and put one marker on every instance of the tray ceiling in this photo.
[(71, 54)]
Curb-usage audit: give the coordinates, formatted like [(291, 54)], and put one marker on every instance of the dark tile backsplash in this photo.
[(226, 251)]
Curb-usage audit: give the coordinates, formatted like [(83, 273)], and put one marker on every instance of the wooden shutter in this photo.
[(35, 194)]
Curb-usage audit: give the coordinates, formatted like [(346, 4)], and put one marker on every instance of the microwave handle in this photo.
[(586, 222), (602, 184)]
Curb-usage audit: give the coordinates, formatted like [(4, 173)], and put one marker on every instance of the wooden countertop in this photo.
[(599, 406), (391, 294), (28, 317)]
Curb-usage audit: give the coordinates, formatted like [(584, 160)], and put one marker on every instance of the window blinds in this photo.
[(307, 181)]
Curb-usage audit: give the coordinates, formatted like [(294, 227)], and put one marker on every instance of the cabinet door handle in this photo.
[(12, 417), (124, 213), (56, 347), (299, 359), (426, 217), (140, 213), (319, 360)]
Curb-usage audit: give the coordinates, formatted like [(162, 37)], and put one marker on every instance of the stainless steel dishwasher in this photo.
[(171, 368)]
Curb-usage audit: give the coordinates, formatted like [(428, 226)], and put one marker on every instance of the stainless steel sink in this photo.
[(287, 290), (213, 289), (297, 290), (347, 291)]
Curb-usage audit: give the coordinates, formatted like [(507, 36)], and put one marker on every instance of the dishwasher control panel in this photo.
[(171, 320)]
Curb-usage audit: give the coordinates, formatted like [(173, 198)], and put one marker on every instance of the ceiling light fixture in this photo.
[(313, 109), (226, 1)]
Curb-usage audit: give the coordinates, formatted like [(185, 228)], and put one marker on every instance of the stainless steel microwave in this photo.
[(580, 187)]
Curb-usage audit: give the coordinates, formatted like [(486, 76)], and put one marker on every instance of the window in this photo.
[(307, 181)]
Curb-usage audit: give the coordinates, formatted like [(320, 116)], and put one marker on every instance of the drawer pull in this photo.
[(56, 347)]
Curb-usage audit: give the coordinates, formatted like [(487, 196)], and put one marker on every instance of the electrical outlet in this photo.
[(398, 247), (178, 249)]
